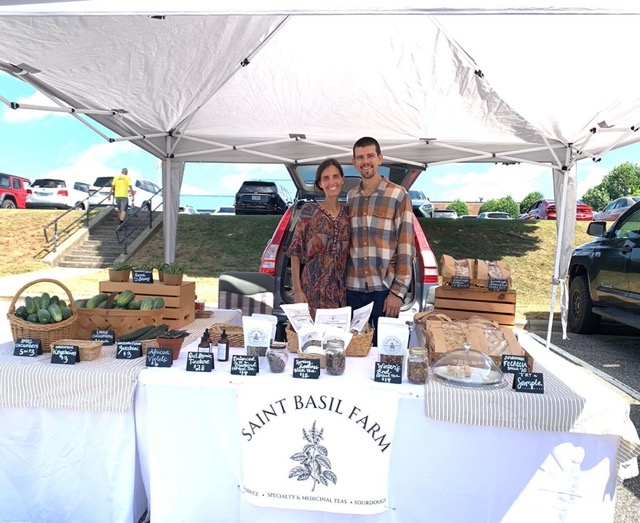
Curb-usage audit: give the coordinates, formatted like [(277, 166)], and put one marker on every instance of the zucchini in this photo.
[(94, 301), (146, 304), (157, 331), (124, 298), (136, 333), (158, 303), (55, 312)]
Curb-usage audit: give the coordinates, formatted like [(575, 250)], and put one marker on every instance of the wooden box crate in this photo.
[(179, 300), (459, 304)]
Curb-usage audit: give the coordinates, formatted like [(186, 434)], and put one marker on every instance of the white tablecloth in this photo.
[(189, 445)]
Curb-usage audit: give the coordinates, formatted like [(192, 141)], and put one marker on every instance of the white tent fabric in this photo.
[(290, 81)]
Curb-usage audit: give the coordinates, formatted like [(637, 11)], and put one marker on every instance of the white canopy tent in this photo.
[(261, 82)]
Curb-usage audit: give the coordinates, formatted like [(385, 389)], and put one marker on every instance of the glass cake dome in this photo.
[(467, 368)]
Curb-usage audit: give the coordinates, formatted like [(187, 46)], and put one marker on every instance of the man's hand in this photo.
[(392, 306)]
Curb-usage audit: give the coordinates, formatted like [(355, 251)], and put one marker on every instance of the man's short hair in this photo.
[(125, 171), (366, 141)]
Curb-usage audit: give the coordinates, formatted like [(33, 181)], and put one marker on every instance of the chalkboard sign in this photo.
[(308, 369), (65, 354), (514, 364), (142, 276), (244, 365), (460, 282), (498, 285), (107, 337), (157, 357), (128, 350), (528, 382), (29, 347), (199, 361), (388, 372)]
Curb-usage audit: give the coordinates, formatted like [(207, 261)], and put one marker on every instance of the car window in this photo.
[(84, 187), (16, 183), (261, 187), (630, 228), (4, 181), (103, 181)]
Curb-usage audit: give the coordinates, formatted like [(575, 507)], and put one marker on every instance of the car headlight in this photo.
[(426, 207)]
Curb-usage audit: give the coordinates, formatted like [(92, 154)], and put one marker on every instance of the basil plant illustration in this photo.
[(314, 461)]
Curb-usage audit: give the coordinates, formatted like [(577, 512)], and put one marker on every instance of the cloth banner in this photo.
[(303, 448)]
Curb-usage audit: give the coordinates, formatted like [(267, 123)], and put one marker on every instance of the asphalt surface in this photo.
[(613, 355)]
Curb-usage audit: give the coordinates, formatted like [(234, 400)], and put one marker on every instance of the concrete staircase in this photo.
[(100, 248)]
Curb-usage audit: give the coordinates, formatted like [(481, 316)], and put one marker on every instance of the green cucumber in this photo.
[(45, 300), (158, 303), (55, 312), (96, 300), (124, 298), (30, 304), (44, 316), (146, 304)]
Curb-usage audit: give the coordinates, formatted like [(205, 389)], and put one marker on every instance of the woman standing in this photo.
[(320, 245)]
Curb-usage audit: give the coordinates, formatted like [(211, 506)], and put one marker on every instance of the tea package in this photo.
[(393, 339), (297, 314), (360, 318), (257, 335), (338, 318), (268, 317), (457, 272)]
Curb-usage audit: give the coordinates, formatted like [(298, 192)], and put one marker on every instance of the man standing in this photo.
[(121, 188), (382, 249)]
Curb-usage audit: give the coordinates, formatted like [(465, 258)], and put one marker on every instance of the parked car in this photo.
[(274, 261), (545, 209), (495, 215), (615, 209), (187, 209), (604, 275), (57, 193), (143, 191), (262, 197), (422, 206), (224, 211), (13, 191), (445, 213)]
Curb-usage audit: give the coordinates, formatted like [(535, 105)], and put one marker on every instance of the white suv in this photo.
[(55, 193), (143, 191)]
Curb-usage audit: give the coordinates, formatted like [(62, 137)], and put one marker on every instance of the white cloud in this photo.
[(30, 115)]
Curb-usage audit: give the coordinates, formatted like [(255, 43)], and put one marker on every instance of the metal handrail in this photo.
[(124, 226), (57, 234)]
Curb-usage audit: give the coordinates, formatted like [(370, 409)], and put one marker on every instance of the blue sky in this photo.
[(36, 144)]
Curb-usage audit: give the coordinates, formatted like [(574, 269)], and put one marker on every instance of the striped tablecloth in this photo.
[(103, 384), (573, 401)]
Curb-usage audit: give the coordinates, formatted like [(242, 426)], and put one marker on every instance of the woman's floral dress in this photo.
[(322, 244)]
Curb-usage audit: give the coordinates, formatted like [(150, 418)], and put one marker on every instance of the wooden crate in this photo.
[(179, 300), (459, 304)]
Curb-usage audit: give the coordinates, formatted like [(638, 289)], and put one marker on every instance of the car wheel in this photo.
[(581, 320), (7, 204)]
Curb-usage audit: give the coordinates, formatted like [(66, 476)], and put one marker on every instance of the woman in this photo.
[(320, 245)]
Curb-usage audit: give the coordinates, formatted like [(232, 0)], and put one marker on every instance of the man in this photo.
[(121, 188), (382, 249)]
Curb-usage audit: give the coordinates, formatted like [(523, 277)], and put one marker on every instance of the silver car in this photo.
[(615, 209), (422, 206)]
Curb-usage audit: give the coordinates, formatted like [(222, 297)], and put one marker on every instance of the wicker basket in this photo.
[(49, 333), (120, 321), (234, 333), (89, 350), (360, 344)]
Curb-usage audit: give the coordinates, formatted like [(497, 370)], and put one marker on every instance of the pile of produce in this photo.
[(152, 332), (43, 309), (124, 300)]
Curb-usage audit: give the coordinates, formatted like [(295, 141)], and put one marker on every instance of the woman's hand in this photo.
[(299, 296)]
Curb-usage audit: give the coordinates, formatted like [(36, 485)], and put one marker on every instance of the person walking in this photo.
[(122, 189), (382, 249), (320, 245)]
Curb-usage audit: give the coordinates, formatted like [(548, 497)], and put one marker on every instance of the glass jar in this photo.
[(417, 365), (335, 357), (277, 356)]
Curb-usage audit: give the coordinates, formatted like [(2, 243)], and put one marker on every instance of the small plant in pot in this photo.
[(172, 339), (160, 268), (173, 274), (120, 272)]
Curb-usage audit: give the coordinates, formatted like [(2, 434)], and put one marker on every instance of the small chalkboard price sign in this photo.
[(244, 365), (498, 285), (460, 282), (142, 276), (388, 372), (107, 337), (514, 364), (65, 354), (308, 369), (128, 350), (199, 361), (528, 382), (29, 347), (157, 357)]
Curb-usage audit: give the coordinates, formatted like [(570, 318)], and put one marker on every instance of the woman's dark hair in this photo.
[(323, 166)]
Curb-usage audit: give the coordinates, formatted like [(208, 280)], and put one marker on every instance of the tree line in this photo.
[(623, 180)]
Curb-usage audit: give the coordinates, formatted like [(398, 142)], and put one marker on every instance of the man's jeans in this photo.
[(357, 299)]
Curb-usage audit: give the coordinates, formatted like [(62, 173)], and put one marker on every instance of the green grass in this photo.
[(210, 245)]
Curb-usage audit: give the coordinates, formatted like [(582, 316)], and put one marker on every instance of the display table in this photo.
[(440, 470), (67, 441)]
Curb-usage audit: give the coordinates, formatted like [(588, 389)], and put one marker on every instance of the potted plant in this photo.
[(160, 268), (173, 274), (172, 339), (120, 272)]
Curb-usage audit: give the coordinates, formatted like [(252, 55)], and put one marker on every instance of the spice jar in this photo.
[(417, 366), (277, 356), (335, 356)]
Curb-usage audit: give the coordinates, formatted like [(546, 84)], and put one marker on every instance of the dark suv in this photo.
[(261, 197), (275, 262), (13, 191), (604, 275)]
